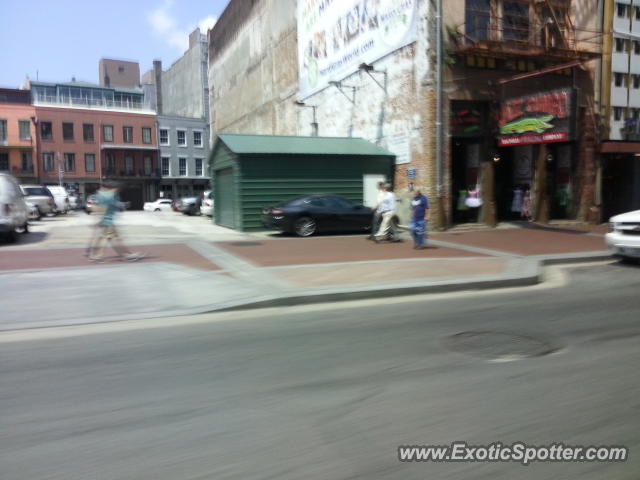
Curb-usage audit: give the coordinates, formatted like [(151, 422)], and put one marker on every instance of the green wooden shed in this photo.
[(250, 172)]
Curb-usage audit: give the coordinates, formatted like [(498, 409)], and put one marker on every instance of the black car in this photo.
[(305, 216), (190, 205)]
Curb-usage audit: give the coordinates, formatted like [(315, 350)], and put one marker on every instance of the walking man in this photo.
[(419, 219), (375, 221), (107, 199), (387, 210)]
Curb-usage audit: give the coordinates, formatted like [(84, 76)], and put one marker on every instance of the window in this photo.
[(4, 161), (165, 166), (47, 161), (622, 10), (110, 162), (618, 79), (27, 162), (182, 167), (164, 136), (147, 165), (87, 132), (516, 21), (127, 134), (182, 138), (197, 139), (636, 81), (128, 165), (89, 162), (46, 131), (69, 162), (199, 167), (619, 45), (107, 133), (3, 131), (617, 113), (637, 13), (67, 131), (146, 135), (477, 19), (24, 127)]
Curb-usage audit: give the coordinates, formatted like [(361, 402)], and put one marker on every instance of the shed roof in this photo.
[(270, 144)]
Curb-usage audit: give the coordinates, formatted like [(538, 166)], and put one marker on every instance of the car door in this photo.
[(350, 217)]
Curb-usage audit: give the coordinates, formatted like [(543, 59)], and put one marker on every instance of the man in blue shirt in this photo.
[(419, 219), (108, 200)]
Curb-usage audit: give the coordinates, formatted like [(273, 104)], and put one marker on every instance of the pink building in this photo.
[(86, 134), (17, 135)]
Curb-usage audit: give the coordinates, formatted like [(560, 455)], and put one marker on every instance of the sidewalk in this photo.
[(58, 286)]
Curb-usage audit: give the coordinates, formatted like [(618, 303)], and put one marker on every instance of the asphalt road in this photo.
[(330, 392)]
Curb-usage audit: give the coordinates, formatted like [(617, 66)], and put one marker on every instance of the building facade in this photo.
[(87, 133), (184, 156), (521, 99), (182, 105), (17, 135), (620, 108)]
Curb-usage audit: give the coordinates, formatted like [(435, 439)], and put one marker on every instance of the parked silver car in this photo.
[(40, 197), (13, 208)]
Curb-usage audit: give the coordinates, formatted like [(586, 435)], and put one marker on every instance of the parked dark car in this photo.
[(191, 205), (305, 216)]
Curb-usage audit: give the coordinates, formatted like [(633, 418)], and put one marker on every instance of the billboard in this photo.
[(336, 36), (546, 117)]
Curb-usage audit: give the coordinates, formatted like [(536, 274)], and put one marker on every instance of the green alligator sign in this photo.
[(527, 124)]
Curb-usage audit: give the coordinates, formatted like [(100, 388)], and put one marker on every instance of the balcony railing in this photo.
[(524, 36), (112, 172), (22, 171), (91, 103)]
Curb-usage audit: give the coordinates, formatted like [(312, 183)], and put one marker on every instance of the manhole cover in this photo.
[(246, 244), (499, 346)]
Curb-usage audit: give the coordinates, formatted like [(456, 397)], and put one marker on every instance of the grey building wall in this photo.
[(184, 84), (253, 68), (174, 152)]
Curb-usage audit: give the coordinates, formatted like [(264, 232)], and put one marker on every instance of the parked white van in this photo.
[(14, 214)]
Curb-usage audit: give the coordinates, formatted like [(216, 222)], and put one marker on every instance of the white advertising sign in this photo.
[(336, 36), (400, 146)]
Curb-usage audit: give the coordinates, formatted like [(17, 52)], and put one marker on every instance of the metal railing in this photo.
[(101, 103)]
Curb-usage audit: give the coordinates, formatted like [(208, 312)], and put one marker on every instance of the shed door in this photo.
[(370, 186), (225, 198)]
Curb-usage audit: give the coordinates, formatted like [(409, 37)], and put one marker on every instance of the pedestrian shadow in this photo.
[(31, 238)]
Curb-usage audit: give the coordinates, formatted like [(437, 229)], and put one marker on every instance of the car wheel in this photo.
[(305, 227), (157, 210), (24, 228), (10, 237), (39, 214)]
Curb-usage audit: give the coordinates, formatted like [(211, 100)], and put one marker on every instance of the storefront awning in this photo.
[(620, 147)]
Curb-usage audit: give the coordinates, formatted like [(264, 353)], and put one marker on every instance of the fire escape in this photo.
[(539, 31)]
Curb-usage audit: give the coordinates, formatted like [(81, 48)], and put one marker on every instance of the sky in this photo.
[(53, 41)]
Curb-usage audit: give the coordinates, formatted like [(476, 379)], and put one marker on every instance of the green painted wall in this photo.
[(269, 179)]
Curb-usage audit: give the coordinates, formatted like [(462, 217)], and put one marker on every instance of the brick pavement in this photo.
[(178, 254)]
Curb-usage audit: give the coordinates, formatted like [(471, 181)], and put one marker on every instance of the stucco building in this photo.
[(182, 105)]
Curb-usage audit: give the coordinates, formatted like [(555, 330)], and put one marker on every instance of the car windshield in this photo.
[(37, 191)]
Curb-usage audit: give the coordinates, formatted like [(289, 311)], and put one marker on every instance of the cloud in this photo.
[(207, 23), (163, 24)]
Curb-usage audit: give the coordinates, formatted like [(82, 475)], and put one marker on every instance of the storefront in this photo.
[(517, 161)]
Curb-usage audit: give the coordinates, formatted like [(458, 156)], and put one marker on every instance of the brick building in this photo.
[(17, 135), (86, 133)]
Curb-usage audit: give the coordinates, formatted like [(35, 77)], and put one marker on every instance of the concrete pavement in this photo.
[(192, 266)]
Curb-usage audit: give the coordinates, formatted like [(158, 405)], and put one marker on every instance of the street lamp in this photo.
[(314, 123), (369, 69), (339, 86)]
